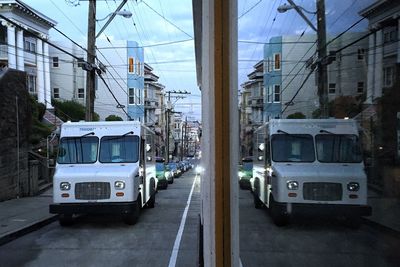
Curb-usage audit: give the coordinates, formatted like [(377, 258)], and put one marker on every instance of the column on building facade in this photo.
[(12, 55), (47, 76), (371, 69), (20, 50), (378, 65), (40, 73)]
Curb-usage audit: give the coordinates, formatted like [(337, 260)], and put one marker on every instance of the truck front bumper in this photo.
[(93, 208), (325, 209)]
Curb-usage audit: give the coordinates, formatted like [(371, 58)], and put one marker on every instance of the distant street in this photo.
[(310, 242), (107, 241)]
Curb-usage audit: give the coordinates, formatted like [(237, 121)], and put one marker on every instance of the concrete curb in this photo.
[(381, 227), (27, 229)]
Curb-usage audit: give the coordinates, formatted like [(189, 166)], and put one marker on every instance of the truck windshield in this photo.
[(292, 148), (338, 148), (78, 150), (124, 149)]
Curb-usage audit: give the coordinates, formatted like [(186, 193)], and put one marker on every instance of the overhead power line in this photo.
[(167, 20)]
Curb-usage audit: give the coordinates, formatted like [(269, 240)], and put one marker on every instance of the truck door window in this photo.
[(78, 150), (119, 149), (341, 148), (292, 148)]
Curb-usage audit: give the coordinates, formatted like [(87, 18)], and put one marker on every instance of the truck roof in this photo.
[(312, 126), (100, 128)]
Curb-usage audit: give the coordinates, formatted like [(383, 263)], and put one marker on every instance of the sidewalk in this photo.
[(385, 211), (24, 215)]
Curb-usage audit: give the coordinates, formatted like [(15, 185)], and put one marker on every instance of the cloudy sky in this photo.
[(165, 29)]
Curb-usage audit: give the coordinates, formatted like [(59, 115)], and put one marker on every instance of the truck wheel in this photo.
[(65, 219), (132, 218), (256, 198), (257, 201), (152, 200), (277, 215)]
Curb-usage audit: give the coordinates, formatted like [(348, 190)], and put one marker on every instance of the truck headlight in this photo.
[(119, 185), (292, 185), (65, 186), (353, 186)]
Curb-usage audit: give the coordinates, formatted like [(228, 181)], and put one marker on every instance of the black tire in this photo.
[(65, 219), (133, 217), (152, 200), (277, 214), (257, 201)]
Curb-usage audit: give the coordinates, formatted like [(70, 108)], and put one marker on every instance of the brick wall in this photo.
[(12, 87)]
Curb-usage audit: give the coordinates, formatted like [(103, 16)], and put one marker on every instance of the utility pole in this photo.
[(322, 59), (167, 113), (91, 56)]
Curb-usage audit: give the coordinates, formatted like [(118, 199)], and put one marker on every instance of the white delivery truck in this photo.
[(106, 168), (309, 166)]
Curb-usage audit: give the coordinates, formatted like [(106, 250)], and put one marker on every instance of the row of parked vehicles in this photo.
[(166, 172)]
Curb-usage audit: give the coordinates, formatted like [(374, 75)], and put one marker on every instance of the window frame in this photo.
[(55, 62), (56, 93), (275, 94), (279, 61)]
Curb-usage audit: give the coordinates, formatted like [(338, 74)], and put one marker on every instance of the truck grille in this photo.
[(92, 191), (322, 191)]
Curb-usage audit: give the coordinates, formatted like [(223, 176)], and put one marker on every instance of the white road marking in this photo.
[(175, 250)]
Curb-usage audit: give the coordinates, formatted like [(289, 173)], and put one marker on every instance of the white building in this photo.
[(20, 47), (67, 79)]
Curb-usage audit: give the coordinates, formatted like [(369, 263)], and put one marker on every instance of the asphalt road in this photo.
[(310, 241), (107, 241)]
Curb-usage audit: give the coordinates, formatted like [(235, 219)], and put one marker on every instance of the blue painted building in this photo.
[(272, 78), (135, 81)]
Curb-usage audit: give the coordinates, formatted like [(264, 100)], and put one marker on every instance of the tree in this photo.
[(296, 115), (114, 118), (342, 106), (71, 110)]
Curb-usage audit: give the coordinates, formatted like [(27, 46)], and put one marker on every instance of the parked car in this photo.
[(169, 175), (174, 169)]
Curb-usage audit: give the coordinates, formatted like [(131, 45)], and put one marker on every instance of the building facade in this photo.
[(251, 107), (67, 79), (124, 80), (288, 61), (21, 49)]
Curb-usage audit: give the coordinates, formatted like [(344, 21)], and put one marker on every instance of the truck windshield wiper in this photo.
[(131, 132), (91, 133), (325, 131), (280, 131)]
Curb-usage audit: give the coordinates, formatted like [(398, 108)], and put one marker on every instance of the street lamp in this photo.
[(299, 9), (283, 8), (125, 13)]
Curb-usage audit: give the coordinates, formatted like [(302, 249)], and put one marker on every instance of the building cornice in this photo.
[(26, 9)]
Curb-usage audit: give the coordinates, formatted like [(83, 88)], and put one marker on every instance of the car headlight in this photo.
[(119, 185), (292, 185), (353, 186), (167, 174), (241, 174), (65, 186)]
